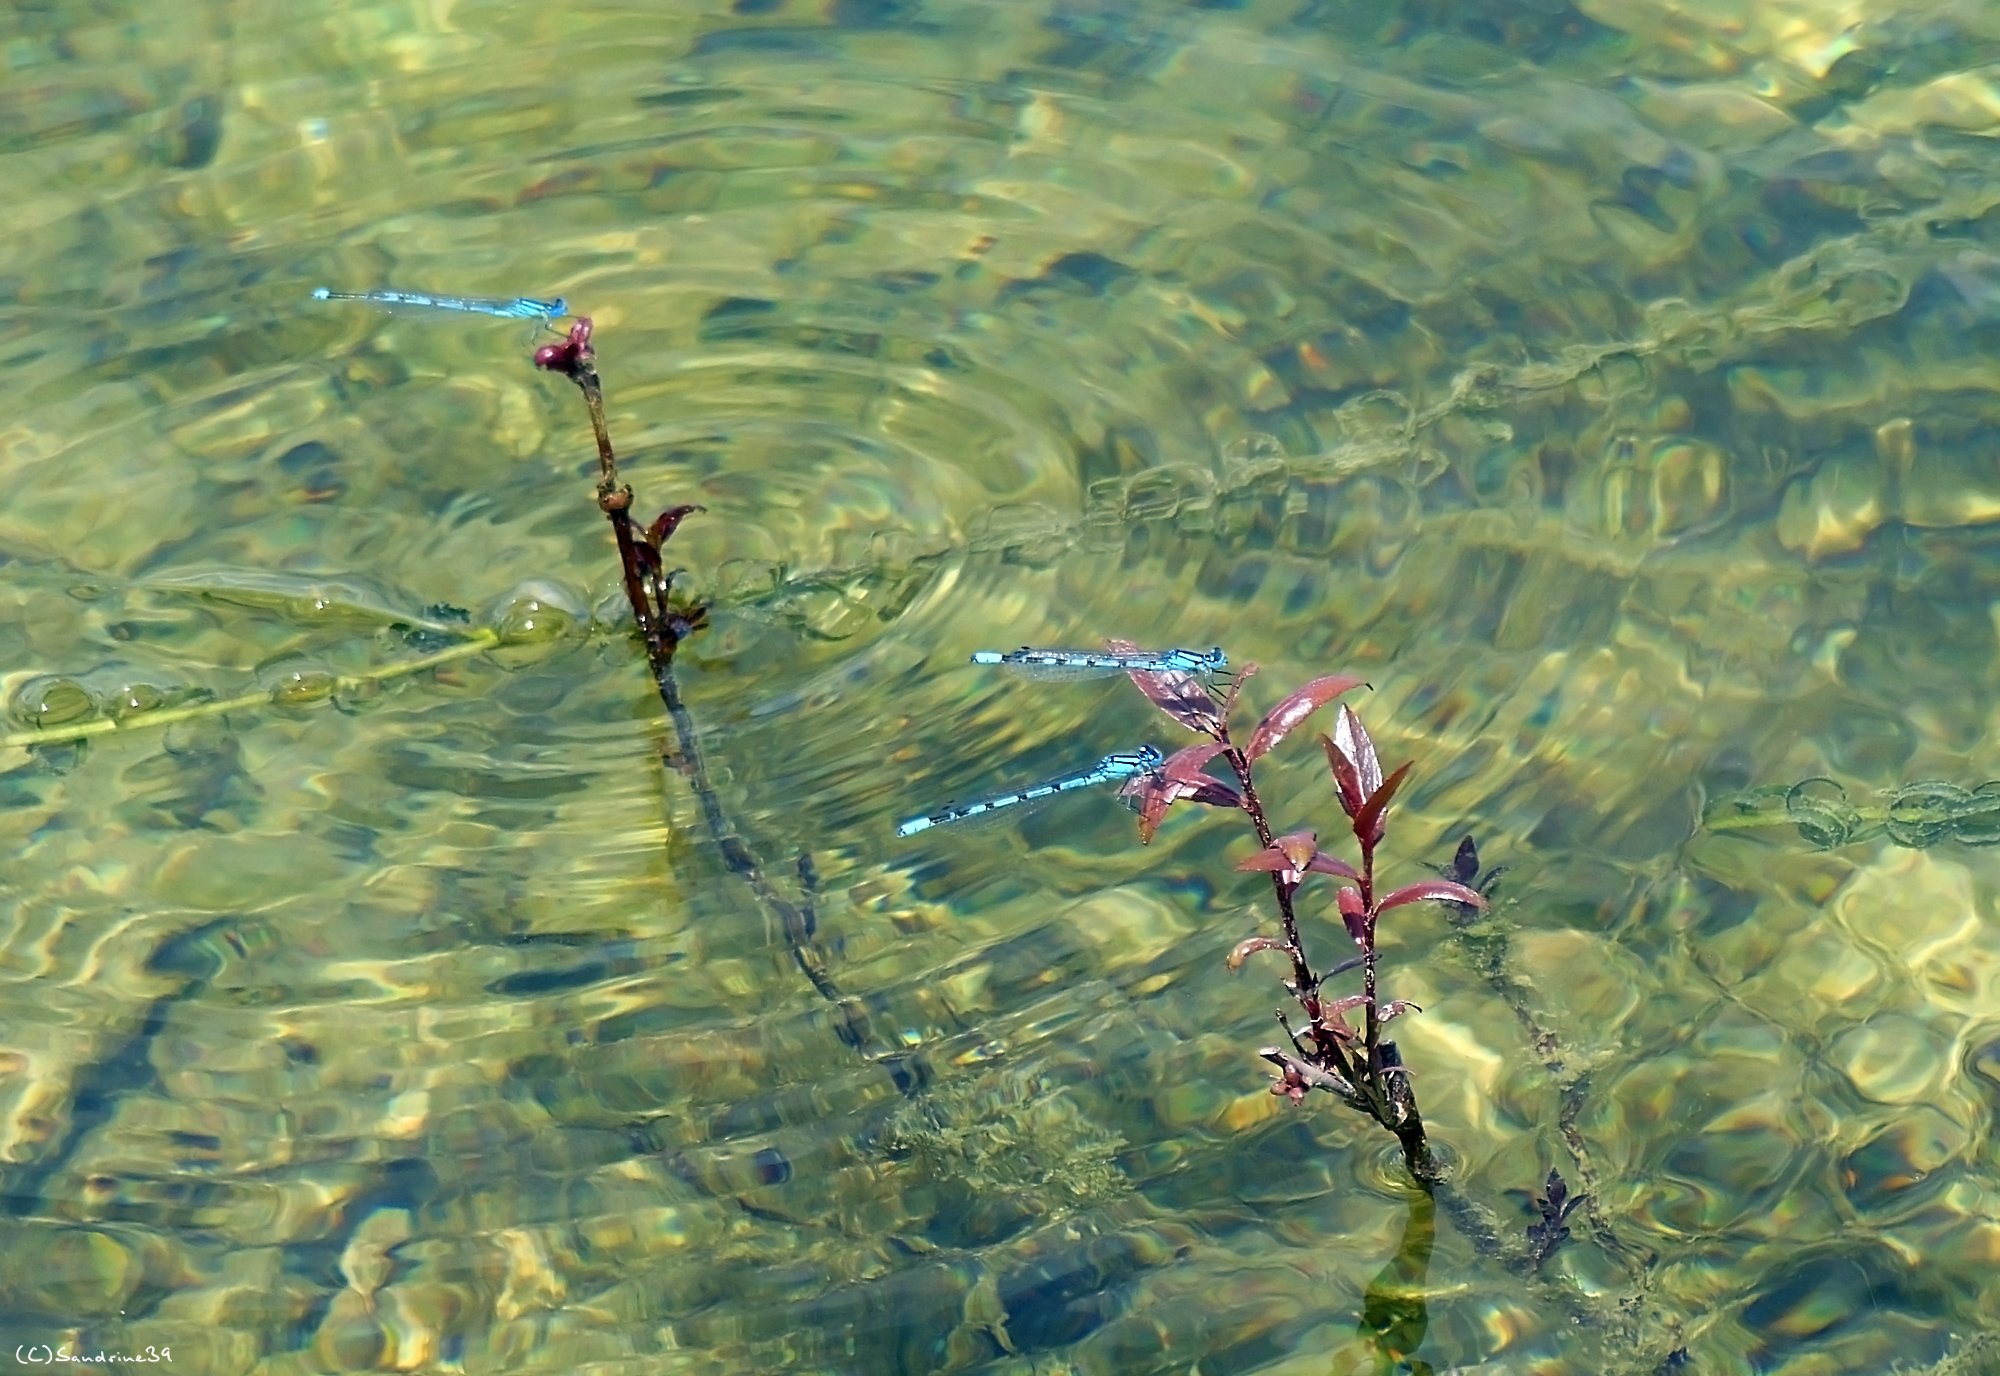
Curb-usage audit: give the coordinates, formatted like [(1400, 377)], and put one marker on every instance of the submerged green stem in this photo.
[(477, 643)]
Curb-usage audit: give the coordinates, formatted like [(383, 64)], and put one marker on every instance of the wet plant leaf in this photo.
[(1295, 708), (1820, 810), (1979, 824), (1152, 797), (1354, 742), (667, 522), (1920, 814), (1299, 847), (1333, 1018), (1296, 854), (1924, 813), (1368, 824), (1184, 697), (1443, 890), (1274, 860), (647, 556), (1186, 767), (1322, 863), (1346, 778), (1464, 866), (1354, 913), (1179, 779), (1554, 1206), (1250, 947)]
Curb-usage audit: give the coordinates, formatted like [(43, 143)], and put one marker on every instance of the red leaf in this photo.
[(1355, 914), (1352, 738), (1185, 765), (1185, 778), (647, 555), (1215, 793), (669, 521), (1154, 795), (1286, 857), (1346, 778), (1423, 889), (1368, 824), (1178, 779), (1279, 721), (1333, 1017), (1246, 949), (1322, 863), (1184, 697), (1268, 860), (1299, 847), (1295, 855)]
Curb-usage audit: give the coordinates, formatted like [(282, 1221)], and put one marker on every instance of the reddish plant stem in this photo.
[(663, 625), (1372, 1035), (1305, 984), (614, 499), (1370, 1073)]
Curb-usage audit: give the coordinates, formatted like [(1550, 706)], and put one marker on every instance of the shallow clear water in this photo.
[(1611, 386)]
